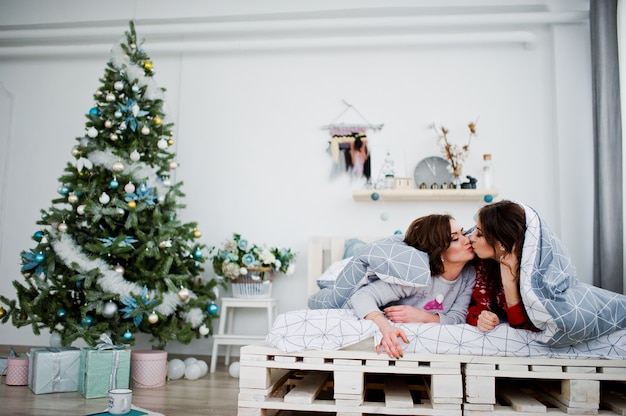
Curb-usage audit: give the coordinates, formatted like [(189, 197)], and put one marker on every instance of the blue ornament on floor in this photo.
[(488, 198), (114, 184), (128, 335), (61, 313), (212, 308), (375, 196)]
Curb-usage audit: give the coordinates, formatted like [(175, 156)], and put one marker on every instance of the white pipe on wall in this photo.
[(176, 28), (527, 39)]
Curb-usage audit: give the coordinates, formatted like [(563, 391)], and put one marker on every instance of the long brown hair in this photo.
[(502, 222), (433, 235)]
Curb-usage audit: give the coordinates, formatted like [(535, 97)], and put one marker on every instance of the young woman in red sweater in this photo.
[(498, 240)]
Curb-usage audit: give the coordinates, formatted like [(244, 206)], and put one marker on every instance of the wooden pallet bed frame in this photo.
[(358, 381)]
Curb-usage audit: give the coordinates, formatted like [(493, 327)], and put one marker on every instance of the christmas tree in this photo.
[(111, 256)]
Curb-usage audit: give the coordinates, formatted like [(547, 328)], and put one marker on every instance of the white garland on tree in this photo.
[(111, 281), (139, 171)]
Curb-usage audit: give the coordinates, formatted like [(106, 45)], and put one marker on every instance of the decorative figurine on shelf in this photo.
[(470, 184), (387, 174)]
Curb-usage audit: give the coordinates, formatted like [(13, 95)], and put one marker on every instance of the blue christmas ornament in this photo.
[(114, 184), (375, 196), (38, 235), (94, 111), (198, 253), (87, 321), (63, 190), (128, 335), (398, 232), (212, 308), (488, 198), (39, 257), (61, 313), (79, 284)]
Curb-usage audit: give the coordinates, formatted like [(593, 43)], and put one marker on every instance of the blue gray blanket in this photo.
[(566, 310), (389, 259)]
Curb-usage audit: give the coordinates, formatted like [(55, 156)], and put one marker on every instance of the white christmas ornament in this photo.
[(129, 188), (233, 369), (119, 85), (162, 144), (104, 198), (193, 372), (110, 97), (145, 130), (113, 137), (175, 369), (109, 310), (135, 156), (80, 210), (203, 330), (108, 124), (62, 227), (173, 165), (92, 132)]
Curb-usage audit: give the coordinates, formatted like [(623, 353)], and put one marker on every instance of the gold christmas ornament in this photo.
[(157, 121), (147, 65), (183, 294), (170, 142), (3, 312), (72, 198), (76, 151), (62, 227), (118, 166), (132, 204), (197, 233)]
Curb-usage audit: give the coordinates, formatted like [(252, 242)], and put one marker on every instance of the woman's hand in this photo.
[(404, 314), (487, 321), (390, 335), (390, 342)]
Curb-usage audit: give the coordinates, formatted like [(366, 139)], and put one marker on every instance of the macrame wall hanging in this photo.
[(348, 145)]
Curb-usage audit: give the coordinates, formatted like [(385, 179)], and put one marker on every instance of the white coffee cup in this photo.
[(120, 401)]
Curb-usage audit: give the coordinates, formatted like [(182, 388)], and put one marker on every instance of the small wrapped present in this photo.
[(53, 370), (103, 368)]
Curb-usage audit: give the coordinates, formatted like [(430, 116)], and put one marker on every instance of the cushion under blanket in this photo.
[(389, 259), (566, 310), (333, 329)]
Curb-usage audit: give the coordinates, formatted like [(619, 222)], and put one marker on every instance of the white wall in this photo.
[(249, 95)]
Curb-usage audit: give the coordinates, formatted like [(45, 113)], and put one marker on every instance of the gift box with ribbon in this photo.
[(53, 370), (103, 368)]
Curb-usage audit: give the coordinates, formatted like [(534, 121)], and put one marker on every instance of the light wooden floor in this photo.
[(213, 394)]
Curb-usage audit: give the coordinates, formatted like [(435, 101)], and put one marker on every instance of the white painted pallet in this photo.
[(357, 381), (348, 382)]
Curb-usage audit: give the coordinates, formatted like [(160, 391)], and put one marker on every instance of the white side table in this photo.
[(225, 334)]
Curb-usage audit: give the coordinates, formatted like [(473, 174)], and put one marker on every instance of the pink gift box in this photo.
[(17, 371), (148, 368)]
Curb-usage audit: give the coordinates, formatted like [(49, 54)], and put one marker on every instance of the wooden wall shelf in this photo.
[(365, 195)]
